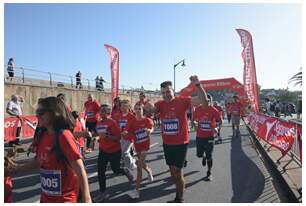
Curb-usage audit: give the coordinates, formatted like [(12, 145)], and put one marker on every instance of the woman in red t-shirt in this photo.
[(140, 130), (57, 155)]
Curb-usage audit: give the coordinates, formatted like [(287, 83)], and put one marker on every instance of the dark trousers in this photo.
[(103, 159)]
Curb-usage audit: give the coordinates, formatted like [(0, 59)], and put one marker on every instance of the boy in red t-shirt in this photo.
[(109, 150), (206, 118), (140, 129)]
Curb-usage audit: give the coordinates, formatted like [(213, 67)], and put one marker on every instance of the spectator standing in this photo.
[(10, 69), (78, 77), (268, 106), (101, 80), (13, 108), (277, 109), (98, 83), (299, 107)]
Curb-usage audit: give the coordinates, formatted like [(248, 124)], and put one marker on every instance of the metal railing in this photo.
[(36, 77), (42, 78)]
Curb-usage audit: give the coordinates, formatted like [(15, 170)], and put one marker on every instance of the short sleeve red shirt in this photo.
[(140, 137), (79, 128), (220, 110), (92, 110), (206, 118), (110, 127), (123, 119), (58, 183), (236, 108), (173, 117)]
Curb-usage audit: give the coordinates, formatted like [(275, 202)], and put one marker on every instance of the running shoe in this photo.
[(150, 176), (134, 194), (128, 174), (208, 176)]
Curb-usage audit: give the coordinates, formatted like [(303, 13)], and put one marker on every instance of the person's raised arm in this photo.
[(201, 98)]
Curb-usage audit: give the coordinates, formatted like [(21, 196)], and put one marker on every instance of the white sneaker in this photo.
[(134, 194), (150, 176)]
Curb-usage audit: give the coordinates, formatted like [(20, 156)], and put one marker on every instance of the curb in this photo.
[(293, 195)]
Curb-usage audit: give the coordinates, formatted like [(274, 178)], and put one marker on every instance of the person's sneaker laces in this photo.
[(134, 194), (128, 174), (204, 161)]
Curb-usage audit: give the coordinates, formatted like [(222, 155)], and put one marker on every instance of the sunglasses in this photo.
[(40, 112)]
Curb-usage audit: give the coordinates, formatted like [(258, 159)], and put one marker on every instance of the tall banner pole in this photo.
[(249, 70), (114, 66)]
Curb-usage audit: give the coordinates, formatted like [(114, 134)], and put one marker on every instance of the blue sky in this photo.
[(64, 38)]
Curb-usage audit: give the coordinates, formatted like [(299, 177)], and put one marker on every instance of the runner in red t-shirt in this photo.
[(79, 132), (219, 123), (206, 118), (124, 118), (144, 101), (228, 112), (236, 110), (173, 115), (92, 107), (140, 129), (109, 150), (57, 155)]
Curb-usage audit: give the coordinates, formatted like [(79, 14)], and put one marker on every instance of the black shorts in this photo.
[(91, 126), (11, 74), (175, 155), (205, 145)]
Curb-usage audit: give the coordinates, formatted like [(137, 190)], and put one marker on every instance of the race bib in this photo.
[(205, 125), (141, 135), (51, 183), (171, 126), (90, 114), (101, 129), (122, 123)]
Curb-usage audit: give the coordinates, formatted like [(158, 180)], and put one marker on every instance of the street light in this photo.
[(182, 62)]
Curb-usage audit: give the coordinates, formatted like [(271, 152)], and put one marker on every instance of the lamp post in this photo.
[(182, 62)]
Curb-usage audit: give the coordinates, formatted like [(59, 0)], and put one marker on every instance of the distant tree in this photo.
[(296, 79), (286, 96)]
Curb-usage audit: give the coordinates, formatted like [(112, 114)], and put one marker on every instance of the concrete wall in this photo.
[(75, 98)]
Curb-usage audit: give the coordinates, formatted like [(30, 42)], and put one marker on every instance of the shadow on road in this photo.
[(247, 179)]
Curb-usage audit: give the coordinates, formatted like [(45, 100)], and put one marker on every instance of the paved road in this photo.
[(239, 175)]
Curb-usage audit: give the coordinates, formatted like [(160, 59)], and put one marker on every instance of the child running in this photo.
[(140, 129)]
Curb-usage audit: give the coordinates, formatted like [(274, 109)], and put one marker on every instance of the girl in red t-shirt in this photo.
[(57, 155), (140, 130)]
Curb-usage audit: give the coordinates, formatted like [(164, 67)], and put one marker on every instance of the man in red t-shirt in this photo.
[(236, 110), (92, 108), (174, 128), (206, 118)]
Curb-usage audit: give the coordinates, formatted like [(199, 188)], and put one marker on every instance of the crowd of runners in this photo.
[(63, 137)]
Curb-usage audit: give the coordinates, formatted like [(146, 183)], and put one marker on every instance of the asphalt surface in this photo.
[(239, 175)]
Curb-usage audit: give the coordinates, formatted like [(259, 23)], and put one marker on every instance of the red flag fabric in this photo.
[(278, 133), (114, 66), (29, 124), (249, 70)]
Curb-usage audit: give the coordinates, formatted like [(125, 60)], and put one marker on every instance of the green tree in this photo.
[(296, 79)]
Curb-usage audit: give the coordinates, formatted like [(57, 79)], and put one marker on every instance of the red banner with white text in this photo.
[(278, 133), (114, 66), (249, 70), (28, 126)]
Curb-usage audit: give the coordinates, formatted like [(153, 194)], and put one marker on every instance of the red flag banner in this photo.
[(280, 134), (114, 66), (249, 71)]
